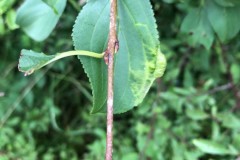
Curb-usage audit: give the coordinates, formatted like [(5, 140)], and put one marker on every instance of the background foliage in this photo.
[(191, 113)]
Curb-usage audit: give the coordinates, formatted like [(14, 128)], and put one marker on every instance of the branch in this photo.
[(109, 59), (221, 88), (235, 89)]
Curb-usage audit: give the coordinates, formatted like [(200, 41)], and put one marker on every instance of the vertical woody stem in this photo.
[(109, 59)]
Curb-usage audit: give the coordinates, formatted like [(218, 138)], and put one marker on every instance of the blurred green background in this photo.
[(192, 113)]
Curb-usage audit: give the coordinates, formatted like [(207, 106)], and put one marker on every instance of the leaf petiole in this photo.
[(30, 61)]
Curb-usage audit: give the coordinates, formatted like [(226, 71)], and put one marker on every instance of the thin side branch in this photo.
[(109, 59)]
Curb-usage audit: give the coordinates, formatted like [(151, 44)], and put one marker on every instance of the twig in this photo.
[(235, 89), (221, 88), (109, 59)]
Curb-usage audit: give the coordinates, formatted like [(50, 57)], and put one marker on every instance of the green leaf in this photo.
[(236, 140), (52, 4), (137, 62), (37, 19), (228, 3), (198, 28), (196, 114), (224, 20), (2, 27), (132, 156), (235, 71), (30, 61), (10, 19), (210, 147), (5, 5), (229, 120)]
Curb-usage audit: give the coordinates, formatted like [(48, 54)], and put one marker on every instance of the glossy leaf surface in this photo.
[(38, 19), (138, 60)]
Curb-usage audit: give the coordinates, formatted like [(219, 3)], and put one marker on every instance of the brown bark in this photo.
[(109, 59)]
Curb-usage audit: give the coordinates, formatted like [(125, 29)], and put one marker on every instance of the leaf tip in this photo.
[(20, 61), (27, 73)]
